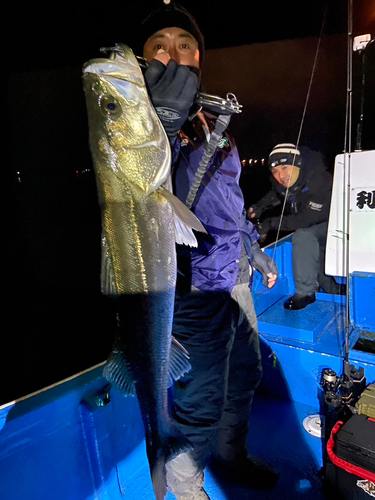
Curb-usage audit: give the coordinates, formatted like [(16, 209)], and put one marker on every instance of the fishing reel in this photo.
[(344, 390)]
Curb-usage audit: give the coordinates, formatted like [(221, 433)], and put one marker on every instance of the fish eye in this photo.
[(110, 106)]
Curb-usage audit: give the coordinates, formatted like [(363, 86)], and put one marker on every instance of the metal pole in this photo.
[(360, 124), (347, 156)]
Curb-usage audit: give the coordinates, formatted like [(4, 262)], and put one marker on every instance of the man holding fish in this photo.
[(185, 310), (214, 316)]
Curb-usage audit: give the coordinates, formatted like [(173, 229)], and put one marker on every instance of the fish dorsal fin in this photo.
[(178, 362), (184, 219)]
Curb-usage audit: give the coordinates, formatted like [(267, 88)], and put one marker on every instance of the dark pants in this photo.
[(308, 261), (212, 402)]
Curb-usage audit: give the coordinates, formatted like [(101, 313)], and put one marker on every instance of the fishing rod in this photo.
[(358, 44), (342, 392), (347, 167), (314, 66), (361, 44)]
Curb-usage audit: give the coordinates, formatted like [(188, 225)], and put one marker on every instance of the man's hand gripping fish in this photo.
[(141, 222)]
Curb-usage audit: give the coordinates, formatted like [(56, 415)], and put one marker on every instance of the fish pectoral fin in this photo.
[(184, 234), (178, 362), (184, 220), (116, 371)]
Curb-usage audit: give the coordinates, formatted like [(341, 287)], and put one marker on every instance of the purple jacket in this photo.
[(219, 205)]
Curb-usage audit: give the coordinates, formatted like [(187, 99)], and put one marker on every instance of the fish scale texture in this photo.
[(132, 161)]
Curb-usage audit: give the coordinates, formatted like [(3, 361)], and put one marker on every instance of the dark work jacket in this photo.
[(308, 200)]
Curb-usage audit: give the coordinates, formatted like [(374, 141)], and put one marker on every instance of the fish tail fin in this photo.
[(184, 220), (178, 362), (159, 479), (117, 372), (174, 443)]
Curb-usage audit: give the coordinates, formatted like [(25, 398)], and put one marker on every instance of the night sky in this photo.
[(57, 323), (42, 37)]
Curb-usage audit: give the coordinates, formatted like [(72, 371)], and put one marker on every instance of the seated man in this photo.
[(301, 181)]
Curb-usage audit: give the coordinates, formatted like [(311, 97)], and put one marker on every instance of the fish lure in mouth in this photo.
[(141, 222)]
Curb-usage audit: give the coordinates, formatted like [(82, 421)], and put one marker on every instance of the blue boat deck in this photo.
[(274, 426), (78, 443), (277, 435), (84, 441), (81, 440)]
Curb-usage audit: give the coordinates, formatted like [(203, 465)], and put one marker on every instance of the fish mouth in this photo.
[(120, 65)]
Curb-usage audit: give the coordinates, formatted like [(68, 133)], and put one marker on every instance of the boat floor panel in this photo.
[(303, 325), (276, 435), (319, 327)]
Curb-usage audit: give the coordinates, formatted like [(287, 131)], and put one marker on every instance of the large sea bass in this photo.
[(131, 156)]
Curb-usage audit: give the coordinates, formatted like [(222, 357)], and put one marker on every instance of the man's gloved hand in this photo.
[(265, 265), (172, 90), (253, 212)]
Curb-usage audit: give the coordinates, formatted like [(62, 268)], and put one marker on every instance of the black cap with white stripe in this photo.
[(284, 154)]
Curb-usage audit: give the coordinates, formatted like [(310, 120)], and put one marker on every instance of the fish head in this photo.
[(125, 132)]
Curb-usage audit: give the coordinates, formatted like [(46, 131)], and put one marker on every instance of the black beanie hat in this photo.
[(169, 16), (284, 154)]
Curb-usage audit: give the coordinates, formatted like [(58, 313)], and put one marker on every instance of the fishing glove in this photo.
[(255, 211), (263, 263), (172, 89)]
